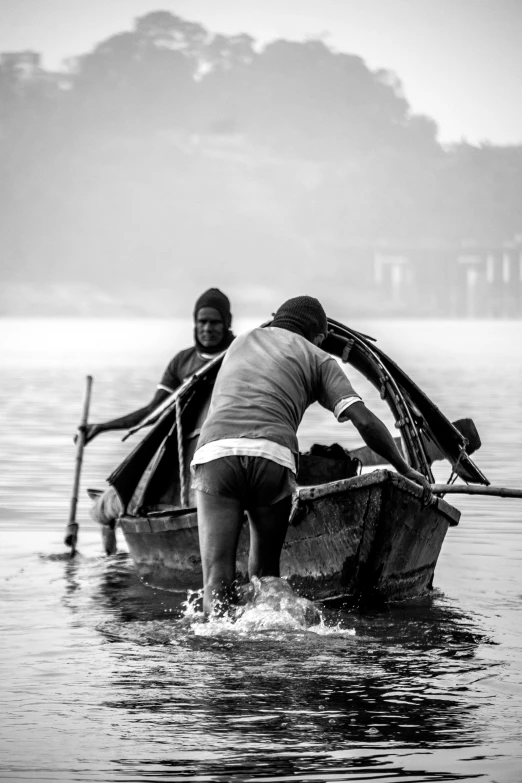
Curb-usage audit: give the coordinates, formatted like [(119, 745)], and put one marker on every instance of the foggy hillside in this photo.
[(171, 158)]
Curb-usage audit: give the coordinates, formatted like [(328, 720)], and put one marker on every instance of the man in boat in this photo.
[(212, 334), (247, 451)]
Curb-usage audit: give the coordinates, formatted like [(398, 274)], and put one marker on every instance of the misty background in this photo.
[(171, 158)]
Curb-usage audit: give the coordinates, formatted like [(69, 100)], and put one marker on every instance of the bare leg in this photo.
[(268, 526), (219, 525)]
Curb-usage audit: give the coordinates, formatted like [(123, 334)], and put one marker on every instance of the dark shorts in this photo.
[(255, 481)]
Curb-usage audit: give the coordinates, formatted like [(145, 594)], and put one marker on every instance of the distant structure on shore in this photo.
[(464, 282), (26, 68)]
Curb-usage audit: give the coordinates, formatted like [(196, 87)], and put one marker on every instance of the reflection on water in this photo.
[(289, 700), (103, 678)]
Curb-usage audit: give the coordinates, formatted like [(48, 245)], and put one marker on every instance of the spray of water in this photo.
[(267, 606), (268, 609)]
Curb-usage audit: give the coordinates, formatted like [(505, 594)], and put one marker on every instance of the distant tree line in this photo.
[(170, 142)]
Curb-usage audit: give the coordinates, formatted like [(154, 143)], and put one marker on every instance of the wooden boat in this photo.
[(365, 538), (352, 538)]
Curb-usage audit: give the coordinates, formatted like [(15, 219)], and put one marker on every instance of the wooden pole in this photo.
[(71, 532), (472, 489)]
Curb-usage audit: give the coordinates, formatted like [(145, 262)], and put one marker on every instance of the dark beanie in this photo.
[(216, 299), (303, 315)]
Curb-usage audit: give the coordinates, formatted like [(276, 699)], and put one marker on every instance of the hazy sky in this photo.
[(460, 61)]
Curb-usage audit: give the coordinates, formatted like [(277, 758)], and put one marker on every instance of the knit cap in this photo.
[(303, 315), (216, 299)]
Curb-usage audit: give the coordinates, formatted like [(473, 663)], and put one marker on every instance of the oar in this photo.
[(468, 489), (71, 532)]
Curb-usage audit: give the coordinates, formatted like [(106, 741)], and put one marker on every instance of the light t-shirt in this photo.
[(257, 447), (268, 379)]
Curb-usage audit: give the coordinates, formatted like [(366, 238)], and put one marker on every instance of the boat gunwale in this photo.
[(178, 519), (306, 494)]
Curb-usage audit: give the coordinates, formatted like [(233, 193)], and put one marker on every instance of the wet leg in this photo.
[(268, 526), (219, 525)]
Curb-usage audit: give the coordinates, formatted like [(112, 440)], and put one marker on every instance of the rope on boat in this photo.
[(181, 457)]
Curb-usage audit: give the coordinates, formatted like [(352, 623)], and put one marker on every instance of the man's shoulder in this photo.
[(175, 369), (186, 353), (238, 341), (180, 367), (299, 342)]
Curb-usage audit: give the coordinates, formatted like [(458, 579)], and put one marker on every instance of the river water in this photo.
[(104, 679)]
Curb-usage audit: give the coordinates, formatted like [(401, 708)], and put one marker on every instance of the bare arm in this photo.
[(125, 422), (376, 435)]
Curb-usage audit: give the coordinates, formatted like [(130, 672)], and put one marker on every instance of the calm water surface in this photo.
[(104, 679)]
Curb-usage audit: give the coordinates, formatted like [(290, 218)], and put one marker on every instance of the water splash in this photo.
[(267, 606), (193, 606), (268, 610)]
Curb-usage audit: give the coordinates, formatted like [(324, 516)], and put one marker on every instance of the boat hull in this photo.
[(368, 539)]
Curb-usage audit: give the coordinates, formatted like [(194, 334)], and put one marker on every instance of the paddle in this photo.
[(71, 532), (467, 489)]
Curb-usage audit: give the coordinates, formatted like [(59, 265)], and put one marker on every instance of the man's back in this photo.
[(268, 379)]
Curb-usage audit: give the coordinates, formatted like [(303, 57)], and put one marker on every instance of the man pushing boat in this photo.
[(247, 451), (212, 334)]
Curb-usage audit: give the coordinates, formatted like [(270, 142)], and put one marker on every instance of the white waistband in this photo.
[(245, 447)]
